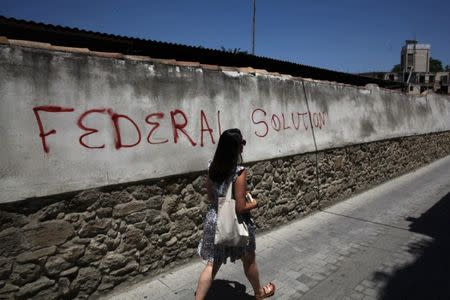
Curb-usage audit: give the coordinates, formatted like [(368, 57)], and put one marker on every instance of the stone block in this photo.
[(129, 268), (124, 209), (14, 220), (134, 238), (185, 226), (104, 212), (82, 201), (12, 242), (199, 184), (5, 267), (72, 252), (34, 256), (23, 274), (259, 169), (108, 282), (55, 265), (86, 281), (192, 200), (135, 217), (170, 204), (112, 261), (49, 212), (30, 289), (46, 234), (95, 227), (94, 251), (8, 289), (174, 188), (155, 202), (145, 192), (69, 272), (64, 286)]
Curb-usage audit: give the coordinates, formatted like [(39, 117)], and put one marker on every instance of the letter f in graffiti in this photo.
[(42, 133)]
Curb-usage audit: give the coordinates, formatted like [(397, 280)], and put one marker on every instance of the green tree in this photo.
[(397, 68), (447, 68), (435, 65)]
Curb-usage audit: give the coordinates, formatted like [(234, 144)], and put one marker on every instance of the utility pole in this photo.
[(254, 24)]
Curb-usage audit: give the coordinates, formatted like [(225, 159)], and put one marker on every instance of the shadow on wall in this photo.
[(225, 290), (428, 276)]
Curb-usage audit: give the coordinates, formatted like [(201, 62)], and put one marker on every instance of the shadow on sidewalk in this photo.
[(225, 289), (428, 277)]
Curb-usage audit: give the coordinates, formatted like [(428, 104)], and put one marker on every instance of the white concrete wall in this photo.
[(359, 115), (83, 152)]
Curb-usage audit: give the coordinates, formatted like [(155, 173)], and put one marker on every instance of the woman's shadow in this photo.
[(225, 289)]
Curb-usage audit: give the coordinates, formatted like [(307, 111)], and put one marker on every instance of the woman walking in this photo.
[(224, 171)]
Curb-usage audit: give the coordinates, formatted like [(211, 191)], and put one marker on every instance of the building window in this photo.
[(411, 88), (422, 79), (391, 77), (431, 79), (444, 79), (410, 60)]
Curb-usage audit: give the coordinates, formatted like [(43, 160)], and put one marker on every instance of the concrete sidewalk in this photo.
[(391, 242)]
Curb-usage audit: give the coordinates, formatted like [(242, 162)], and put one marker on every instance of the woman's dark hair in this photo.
[(227, 156)]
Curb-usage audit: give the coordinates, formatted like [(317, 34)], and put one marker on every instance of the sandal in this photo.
[(268, 291)]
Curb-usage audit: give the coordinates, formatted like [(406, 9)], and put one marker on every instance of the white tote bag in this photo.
[(230, 230)]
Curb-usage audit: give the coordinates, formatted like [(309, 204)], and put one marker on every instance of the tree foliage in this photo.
[(397, 68), (435, 65)]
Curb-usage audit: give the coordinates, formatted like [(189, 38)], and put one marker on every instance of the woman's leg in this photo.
[(251, 271), (205, 280)]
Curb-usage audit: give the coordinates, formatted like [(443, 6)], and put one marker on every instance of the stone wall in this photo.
[(82, 244)]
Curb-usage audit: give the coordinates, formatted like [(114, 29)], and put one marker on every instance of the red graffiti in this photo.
[(305, 121), (204, 121), (178, 122), (284, 122), (318, 120), (276, 124), (89, 130), (159, 116), (279, 122), (179, 126), (47, 108), (118, 138), (260, 122), (218, 122)]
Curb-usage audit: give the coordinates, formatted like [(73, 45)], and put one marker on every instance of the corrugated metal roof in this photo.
[(115, 45)]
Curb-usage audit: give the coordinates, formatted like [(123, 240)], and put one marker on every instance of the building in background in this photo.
[(415, 71), (415, 57)]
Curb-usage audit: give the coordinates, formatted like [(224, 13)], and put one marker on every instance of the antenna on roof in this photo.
[(253, 27)]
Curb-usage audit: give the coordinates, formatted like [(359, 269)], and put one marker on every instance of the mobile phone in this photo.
[(249, 197)]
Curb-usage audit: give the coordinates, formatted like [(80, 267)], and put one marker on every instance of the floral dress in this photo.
[(216, 253)]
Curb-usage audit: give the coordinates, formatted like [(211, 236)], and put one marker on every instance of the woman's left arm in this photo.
[(240, 189)]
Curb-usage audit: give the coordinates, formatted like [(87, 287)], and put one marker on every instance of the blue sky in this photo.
[(345, 35)]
